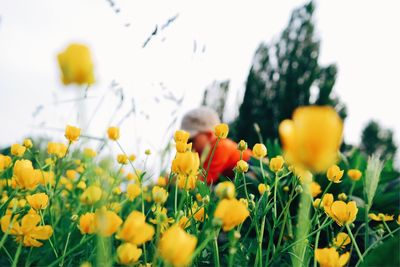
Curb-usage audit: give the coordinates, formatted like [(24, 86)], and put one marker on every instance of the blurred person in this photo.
[(200, 123)]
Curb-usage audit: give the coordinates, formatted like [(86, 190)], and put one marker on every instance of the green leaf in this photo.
[(385, 254)]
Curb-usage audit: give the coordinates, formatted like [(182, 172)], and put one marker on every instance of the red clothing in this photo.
[(225, 157)]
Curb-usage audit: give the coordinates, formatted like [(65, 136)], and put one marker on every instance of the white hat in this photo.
[(198, 120)]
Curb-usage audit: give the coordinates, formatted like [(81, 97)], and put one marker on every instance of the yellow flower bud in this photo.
[(159, 194), (132, 157), (221, 130), (262, 188), (28, 143), (259, 151), (242, 145), (38, 201), (162, 181), (242, 166), (91, 195), (334, 174), (225, 190), (315, 189), (182, 147), (24, 174), (147, 152), (276, 163), (342, 196), (113, 133), (5, 162), (133, 190), (354, 174), (231, 212), (57, 149), (72, 133), (181, 136), (122, 159), (76, 65), (90, 153), (128, 253), (17, 150)]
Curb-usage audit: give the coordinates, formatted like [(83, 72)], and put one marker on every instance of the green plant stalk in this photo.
[(366, 231), (260, 240), (387, 227), (216, 252), (262, 171), (275, 199), (354, 242), (51, 243), (27, 263), (245, 186), (316, 242), (231, 247), (17, 254), (211, 158)]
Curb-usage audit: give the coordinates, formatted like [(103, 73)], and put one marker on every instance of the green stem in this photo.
[(354, 242), (65, 249), (316, 242), (211, 157), (275, 199), (262, 171), (15, 261), (216, 252), (387, 227), (176, 197), (245, 186)]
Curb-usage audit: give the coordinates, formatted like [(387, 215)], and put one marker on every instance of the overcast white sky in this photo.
[(361, 37)]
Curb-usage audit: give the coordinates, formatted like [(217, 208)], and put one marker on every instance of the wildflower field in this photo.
[(61, 205), (303, 199)]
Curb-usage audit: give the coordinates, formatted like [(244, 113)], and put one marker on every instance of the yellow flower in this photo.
[(132, 191), (354, 174), (81, 185), (329, 257), (327, 202), (259, 151), (159, 194), (221, 130), (341, 240), (381, 217), (176, 246), (18, 150), (315, 189), (128, 254), (147, 152), (86, 223), (27, 232), (198, 213), (181, 136), (134, 176), (57, 149), (184, 222), (242, 145), (72, 133), (115, 206), (182, 147), (135, 230), (276, 163), (162, 181), (113, 133), (312, 138), (242, 166), (91, 195), (24, 174), (262, 188), (342, 196), (187, 182), (76, 65), (90, 153), (45, 178), (398, 219), (334, 174), (28, 143), (106, 222), (122, 159), (71, 174), (232, 212), (225, 190), (186, 163), (132, 157), (343, 213), (38, 201), (5, 162), (316, 203)]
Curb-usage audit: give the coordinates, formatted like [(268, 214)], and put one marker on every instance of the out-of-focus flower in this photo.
[(5, 162), (17, 150), (81, 185), (342, 196), (329, 257), (122, 159), (242, 145), (72, 133), (334, 174), (86, 223), (184, 222), (71, 174), (135, 230), (221, 130), (341, 240), (132, 191), (304, 175), (128, 253), (354, 174), (162, 181), (91, 195), (28, 233), (159, 194), (198, 213), (57, 149), (262, 188), (182, 147), (187, 163), (147, 152), (259, 151), (24, 174), (276, 163), (176, 246), (38, 201), (28, 143), (225, 190), (231, 212), (187, 182), (242, 166), (380, 217), (76, 65), (113, 133), (106, 222), (343, 213), (315, 189), (45, 178), (181, 136), (312, 138), (90, 153)]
